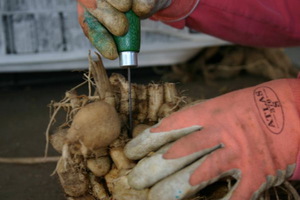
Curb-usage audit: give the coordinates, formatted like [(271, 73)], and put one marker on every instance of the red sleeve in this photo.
[(264, 23)]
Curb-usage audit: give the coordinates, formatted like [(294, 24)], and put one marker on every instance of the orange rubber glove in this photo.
[(252, 135), (100, 19)]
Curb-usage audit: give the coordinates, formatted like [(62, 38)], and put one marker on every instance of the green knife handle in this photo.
[(131, 41)]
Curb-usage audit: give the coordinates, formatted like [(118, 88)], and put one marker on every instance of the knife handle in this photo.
[(132, 39)]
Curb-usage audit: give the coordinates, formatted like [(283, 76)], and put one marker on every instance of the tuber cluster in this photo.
[(91, 141), (93, 164)]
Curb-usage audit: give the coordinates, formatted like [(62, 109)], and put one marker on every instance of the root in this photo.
[(49, 126), (146, 103), (179, 100), (68, 104), (34, 160), (291, 189), (65, 152)]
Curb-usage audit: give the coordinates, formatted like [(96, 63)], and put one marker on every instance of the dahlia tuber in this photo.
[(74, 182), (95, 125), (99, 166)]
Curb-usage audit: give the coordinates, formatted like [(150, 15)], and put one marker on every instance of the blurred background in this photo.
[(43, 53), (44, 35)]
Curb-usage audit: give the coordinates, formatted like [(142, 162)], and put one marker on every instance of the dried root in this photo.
[(91, 168), (99, 166), (73, 178)]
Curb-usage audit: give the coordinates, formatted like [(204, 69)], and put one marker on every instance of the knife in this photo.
[(128, 47)]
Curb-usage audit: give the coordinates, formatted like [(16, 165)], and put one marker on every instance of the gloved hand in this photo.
[(92, 14), (252, 135)]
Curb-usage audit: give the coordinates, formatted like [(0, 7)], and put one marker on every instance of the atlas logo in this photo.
[(270, 109)]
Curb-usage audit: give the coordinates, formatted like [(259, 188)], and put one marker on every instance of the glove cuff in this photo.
[(178, 10), (296, 174), (295, 86)]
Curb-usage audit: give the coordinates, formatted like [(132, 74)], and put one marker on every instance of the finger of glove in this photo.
[(206, 138), (84, 27), (252, 185), (218, 163), (222, 163), (246, 188), (177, 186), (123, 6), (114, 20), (147, 142), (146, 8), (100, 37), (186, 117), (151, 169)]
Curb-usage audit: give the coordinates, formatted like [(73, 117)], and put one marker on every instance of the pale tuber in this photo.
[(139, 129), (95, 126), (98, 189), (117, 184), (93, 165), (119, 158), (58, 139), (74, 182), (99, 166)]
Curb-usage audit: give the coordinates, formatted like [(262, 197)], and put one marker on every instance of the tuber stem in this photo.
[(156, 98), (292, 190), (103, 87), (170, 93), (142, 104)]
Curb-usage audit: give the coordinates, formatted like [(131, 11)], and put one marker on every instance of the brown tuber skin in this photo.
[(93, 164), (98, 189), (58, 139), (119, 158), (139, 129), (156, 99), (74, 182), (99, 166), (118, 186), (95, 126), (110, 177)]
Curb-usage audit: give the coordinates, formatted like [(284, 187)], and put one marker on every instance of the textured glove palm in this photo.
[(252, 135)]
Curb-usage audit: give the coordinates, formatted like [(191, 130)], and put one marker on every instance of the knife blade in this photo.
[(128, 47)]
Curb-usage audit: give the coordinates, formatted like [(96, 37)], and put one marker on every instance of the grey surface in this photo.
[(39, 26), (24, 116)]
